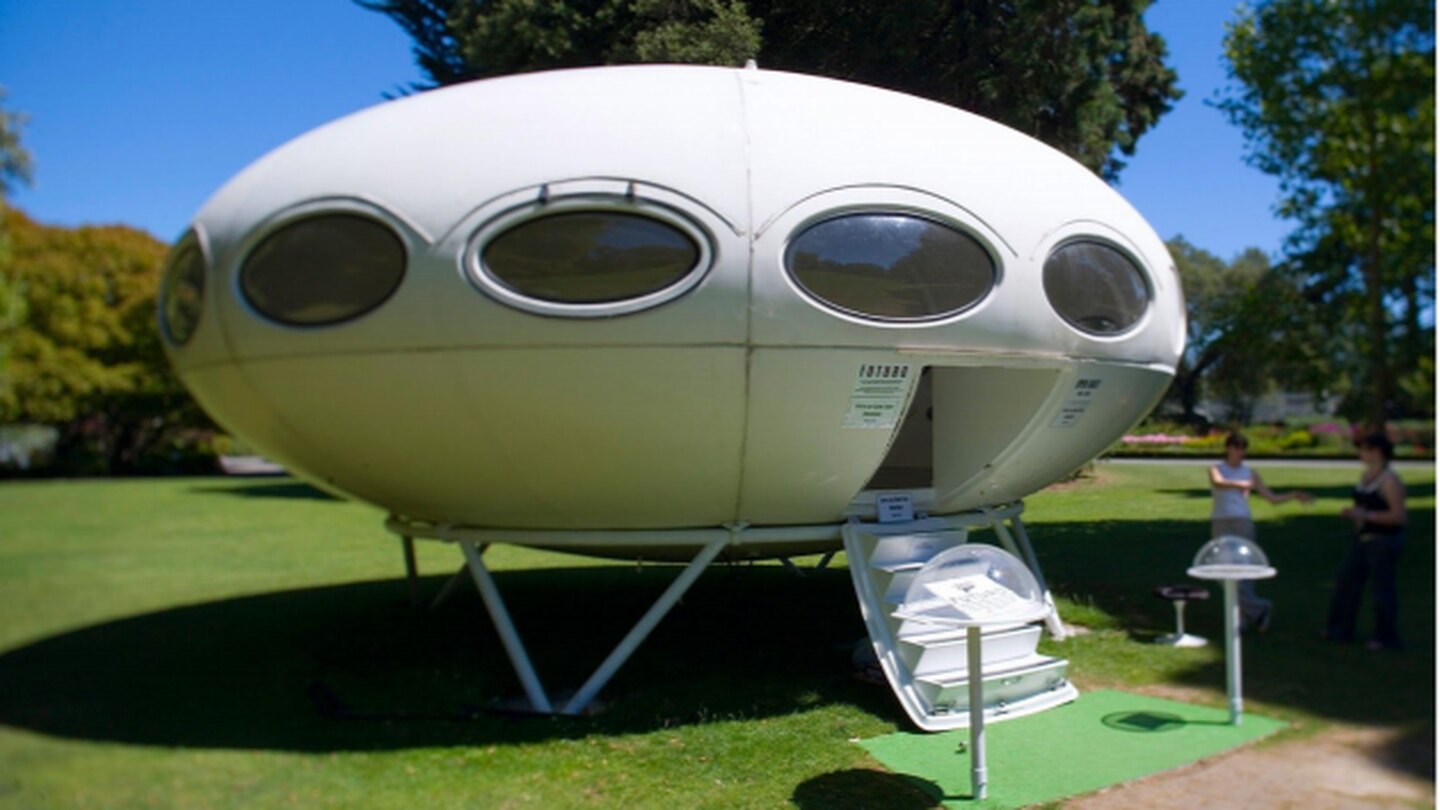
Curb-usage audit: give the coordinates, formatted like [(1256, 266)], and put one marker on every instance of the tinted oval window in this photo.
[(891, 266), (182, 292), (1095, 287), (323, 270), (590, 257)]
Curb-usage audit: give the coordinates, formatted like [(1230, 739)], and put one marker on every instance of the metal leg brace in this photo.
[(1024, 551), (412, 574), (520, 659)]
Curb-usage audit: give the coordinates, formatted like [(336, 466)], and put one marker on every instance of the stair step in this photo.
[(1035, 674), (926, 663), (943, 652), (910, 551)]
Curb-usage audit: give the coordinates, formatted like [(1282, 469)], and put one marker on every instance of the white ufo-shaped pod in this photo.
[(663, 297)]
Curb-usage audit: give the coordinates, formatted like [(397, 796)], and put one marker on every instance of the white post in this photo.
[(1232, 649), (977, 713), (506, 628)]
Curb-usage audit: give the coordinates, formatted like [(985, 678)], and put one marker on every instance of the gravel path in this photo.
[(1341, 768)]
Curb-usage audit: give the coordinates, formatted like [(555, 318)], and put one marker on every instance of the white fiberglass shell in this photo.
[(723, 393)]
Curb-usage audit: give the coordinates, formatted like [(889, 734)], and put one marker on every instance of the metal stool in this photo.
[(1179, 595)]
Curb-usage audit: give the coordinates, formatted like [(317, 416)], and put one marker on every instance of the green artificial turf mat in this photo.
[(1102, 739)]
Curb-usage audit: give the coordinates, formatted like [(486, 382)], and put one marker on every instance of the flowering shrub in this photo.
[(1326, 438), (1153, 439)]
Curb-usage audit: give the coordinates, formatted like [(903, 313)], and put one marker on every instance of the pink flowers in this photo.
[(1154, 438)]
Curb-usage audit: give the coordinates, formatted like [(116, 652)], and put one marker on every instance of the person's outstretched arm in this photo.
[(1274, 497)]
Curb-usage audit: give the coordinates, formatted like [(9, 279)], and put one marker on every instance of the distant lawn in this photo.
[(158, 639)]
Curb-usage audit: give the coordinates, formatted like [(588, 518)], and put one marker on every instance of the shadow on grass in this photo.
[(746, 642), (286, 488), (860, 788), (1412, 752), (1116, 565), (248, 672)]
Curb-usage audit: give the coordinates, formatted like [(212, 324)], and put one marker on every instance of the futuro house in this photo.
[(675, 313)]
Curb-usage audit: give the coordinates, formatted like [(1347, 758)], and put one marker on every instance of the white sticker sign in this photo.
[(879, 395), (976, 596), (1076, 403), (894, 507)]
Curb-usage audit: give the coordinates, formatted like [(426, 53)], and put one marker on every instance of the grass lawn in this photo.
[(161, 642)]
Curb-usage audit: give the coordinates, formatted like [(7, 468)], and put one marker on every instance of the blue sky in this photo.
[(140, 109)]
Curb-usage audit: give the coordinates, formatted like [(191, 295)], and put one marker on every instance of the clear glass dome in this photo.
[(972, 585), (1231, 557)]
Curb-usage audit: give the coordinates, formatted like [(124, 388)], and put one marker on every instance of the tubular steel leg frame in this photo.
[(642, 628), (451, 584), (412, 574), (506, 628), (1024, 551), (520, 659)]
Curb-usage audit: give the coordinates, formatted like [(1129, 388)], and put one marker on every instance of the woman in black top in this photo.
[(1379, 519)]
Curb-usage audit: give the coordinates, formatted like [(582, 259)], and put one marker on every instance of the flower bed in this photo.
[(1315, 439)]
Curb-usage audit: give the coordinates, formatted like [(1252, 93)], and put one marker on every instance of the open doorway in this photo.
[(910, 462)]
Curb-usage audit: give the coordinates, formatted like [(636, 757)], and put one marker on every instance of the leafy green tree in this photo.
[(1085, 76), (16, 165), (1249, 330), (457, 41), (87, 357), (1337, 100), (1217, 295), (16, 168)]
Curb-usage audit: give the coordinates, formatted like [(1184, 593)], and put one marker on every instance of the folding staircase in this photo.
[(925, 664)]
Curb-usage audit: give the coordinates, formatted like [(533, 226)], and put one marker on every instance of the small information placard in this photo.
[(879, 395), (894, 507), (1077, 403), (976, 596)]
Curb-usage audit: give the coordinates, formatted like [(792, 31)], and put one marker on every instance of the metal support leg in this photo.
[(452, 584), (1024, 551), (506, 628), (1052, 622), (825, 561), (643, 627), (412, 575), (792, 567)]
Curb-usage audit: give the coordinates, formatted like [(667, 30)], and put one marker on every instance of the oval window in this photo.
[(1096, 288), (323, 270), (182, 290), (891, 266), (590, 257)]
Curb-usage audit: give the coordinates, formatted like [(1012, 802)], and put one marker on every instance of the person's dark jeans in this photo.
[(1364, 560)]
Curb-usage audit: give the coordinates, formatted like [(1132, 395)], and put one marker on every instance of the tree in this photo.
[(1223, 337), (1249, 330), (16, 168), (1337, 100), (1085, 76), (458, 41), (16, 165), (87, 357)]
